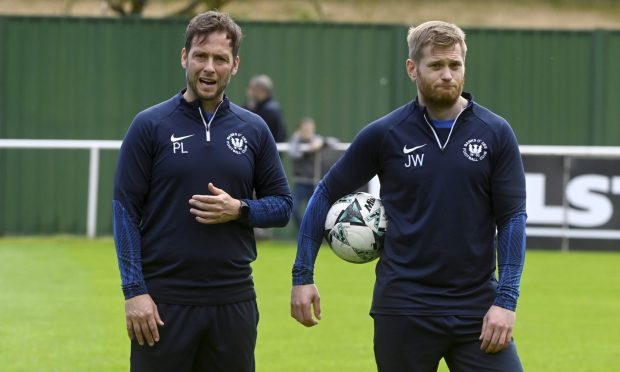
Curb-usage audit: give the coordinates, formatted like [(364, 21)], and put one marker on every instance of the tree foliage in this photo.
[(191, 8), (125, 8)]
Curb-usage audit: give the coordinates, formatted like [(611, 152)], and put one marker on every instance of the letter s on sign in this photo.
[(584, 192)]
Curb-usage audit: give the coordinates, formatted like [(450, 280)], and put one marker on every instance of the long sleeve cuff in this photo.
[(134, 289), (506, 301), (302, 275), (303, 269), (128, 244), (510, 257), (311, 236)]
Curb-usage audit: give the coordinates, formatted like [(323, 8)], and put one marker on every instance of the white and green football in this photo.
[(355, 227)]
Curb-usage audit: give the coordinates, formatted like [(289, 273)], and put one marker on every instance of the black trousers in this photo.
[(417, 344), (218, 338)]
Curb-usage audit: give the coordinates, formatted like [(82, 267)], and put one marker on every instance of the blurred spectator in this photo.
[(260, 100), (303, 149)]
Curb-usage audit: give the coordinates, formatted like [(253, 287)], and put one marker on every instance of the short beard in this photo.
[(443, 101), (431, 98)]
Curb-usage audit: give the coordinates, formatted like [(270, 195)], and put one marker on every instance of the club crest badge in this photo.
[(475, 149), (237, 143)]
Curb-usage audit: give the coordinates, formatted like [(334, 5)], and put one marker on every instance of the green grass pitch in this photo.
[(61, 309)]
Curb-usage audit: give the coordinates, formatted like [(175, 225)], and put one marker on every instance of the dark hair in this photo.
[(206, 23)]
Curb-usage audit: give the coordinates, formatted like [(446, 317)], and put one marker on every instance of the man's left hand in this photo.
[(497, 328), (216, 208)]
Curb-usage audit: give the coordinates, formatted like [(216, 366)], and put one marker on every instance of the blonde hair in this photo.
[(437, 34)]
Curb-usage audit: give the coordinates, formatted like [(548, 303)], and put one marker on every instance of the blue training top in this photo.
[(171, 152), (444, 200)]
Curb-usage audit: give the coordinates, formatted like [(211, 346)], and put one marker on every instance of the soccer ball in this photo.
[(355, 226)]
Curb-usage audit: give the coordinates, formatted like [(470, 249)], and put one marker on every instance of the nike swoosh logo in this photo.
[(406, 150), (175, 139)]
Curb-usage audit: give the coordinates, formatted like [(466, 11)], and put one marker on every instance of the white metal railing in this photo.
[(95, 146), (576, 151)]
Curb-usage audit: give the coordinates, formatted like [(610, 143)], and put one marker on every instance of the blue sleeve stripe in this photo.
[(311, 236), (270, 211), (128, 251), (510, 257)]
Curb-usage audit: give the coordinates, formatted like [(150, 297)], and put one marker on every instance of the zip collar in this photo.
[(441, 146), (208, 125), (195, 105)]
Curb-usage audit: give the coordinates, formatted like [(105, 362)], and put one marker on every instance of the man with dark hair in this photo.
[(184, 211), (453, 187)]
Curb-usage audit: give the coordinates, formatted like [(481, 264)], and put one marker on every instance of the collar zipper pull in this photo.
[(208, 125)]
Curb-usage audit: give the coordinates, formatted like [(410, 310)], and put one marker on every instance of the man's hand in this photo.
[(302, 298), (497, 328), (316, 144), (217, 208), (142, 319)]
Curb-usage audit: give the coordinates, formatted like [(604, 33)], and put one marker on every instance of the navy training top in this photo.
[(444, 201), (171, 152)]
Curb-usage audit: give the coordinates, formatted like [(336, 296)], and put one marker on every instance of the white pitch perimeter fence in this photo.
[(561, 213), (94, 148)]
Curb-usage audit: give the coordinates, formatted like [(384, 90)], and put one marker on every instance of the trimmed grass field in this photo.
[(61, 309)]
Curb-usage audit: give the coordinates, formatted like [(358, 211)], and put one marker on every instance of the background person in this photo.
[(261, 101), (451, 176), (183, 214), (303, 148)]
